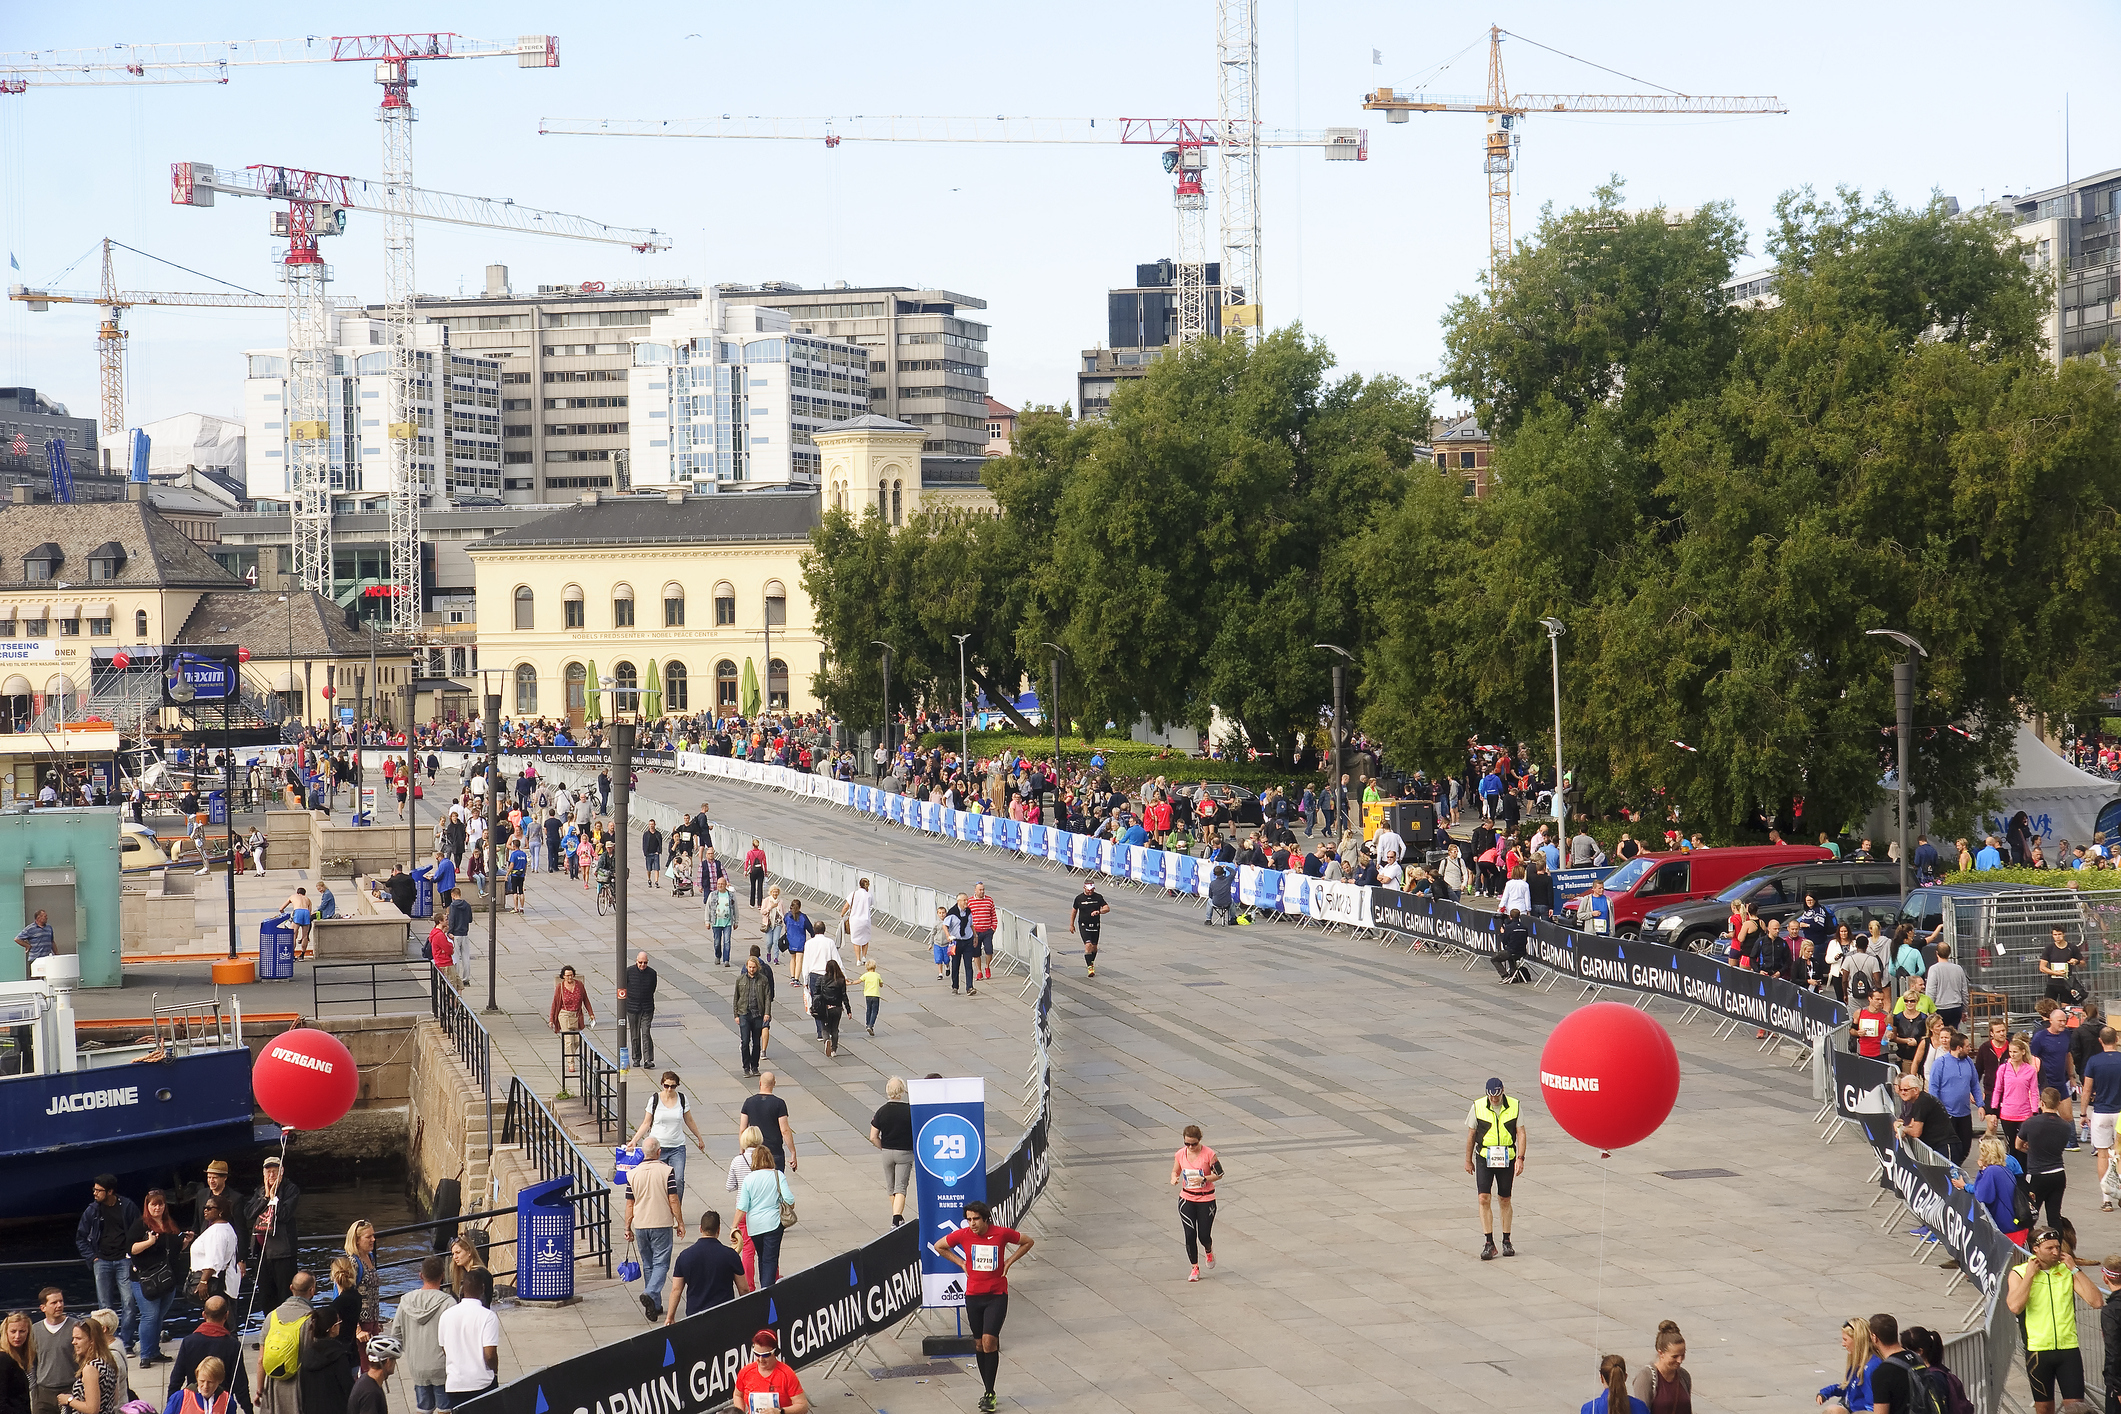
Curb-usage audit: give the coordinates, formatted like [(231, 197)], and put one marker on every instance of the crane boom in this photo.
[(197, 183), (1158, 132), (208, 61)]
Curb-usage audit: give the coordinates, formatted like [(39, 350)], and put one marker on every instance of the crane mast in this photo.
[(1237, 155), (410, 477)]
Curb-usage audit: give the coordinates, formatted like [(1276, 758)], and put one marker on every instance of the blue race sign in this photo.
[(949, 1171), (210, 680)]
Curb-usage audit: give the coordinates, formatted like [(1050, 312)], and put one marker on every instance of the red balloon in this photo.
[(305, 1079), (1609, 1075), (121, 660)]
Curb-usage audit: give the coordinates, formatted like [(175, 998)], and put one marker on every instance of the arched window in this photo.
[(725, 686), (777, 686), (677, 688), (622, 606), (526, 689), (776, 605), (673, 605), (139, 623), (895, 502), (572, 605), (625, 687), (883, 500), (577, 689), (526, 604), (724, 604)]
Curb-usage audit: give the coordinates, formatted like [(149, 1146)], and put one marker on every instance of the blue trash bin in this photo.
[(423, 899), (276, 949), (216, 807), (545, 1232)]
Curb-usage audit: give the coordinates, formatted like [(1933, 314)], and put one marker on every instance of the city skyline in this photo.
[(1039, 232)]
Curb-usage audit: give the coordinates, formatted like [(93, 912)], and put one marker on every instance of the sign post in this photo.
[(949, 1171)]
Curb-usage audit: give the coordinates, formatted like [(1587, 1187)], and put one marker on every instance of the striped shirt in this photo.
[(984, 918)]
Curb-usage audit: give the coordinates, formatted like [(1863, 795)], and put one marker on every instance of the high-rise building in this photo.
[(456, 406), (1141, 322), (927, 366), (2075, 232), (28, 420), (729, 393)]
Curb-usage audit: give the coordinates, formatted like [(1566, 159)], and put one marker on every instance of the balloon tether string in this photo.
[(1605, 1157)]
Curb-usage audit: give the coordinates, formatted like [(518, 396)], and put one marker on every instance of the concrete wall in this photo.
[(287, 839), (372, 849), (86, 841)]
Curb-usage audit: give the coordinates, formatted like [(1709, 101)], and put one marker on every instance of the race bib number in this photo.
[(1498, 1156), (764, 1399), (1870, 1028), (985, 1258), (1192, 1178)]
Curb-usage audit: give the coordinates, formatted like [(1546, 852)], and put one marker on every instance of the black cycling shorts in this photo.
[(1090, 940), (985, 1314), (1500, 1179), (2045, 1369)]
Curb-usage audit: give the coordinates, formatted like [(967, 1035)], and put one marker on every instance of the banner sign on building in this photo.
[(949, 1171)]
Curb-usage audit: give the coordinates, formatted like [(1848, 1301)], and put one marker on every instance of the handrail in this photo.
[(554, 1154)]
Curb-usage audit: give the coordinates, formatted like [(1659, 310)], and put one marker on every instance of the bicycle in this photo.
[(607, 897)]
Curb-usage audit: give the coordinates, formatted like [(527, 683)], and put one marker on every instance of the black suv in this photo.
[(1856, 892)]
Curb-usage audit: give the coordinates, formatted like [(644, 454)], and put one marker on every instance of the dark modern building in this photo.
[(1141, 321), (28, 420)]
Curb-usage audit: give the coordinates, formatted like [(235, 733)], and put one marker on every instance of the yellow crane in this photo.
[(110, 335), (1506, 113)]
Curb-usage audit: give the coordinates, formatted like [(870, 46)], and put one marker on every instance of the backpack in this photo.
[(280, 1355), (1929, 1390)]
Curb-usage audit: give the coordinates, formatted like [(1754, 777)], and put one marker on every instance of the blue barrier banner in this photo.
[(931, 817), (1266, 889), (1086, 847), (1111, 860), (990, 830), (1137, 861), (1296, 893), (1032, 840), (1060, 845), (1008, 833), (1248, 884), (1186, 876), (949, 1171)]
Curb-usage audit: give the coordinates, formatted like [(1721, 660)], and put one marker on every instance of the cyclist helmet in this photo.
[(383, 1348)]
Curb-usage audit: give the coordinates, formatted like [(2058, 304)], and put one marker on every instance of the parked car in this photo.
[(1998, 930), (1856, 892), (1658, 880)]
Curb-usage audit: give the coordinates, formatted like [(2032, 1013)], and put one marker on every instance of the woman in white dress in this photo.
[(856, 913)]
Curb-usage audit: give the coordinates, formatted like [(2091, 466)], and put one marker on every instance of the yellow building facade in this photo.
[(703, 587)]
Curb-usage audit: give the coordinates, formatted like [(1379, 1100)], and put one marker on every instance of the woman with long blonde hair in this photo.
[(1858, 1360)]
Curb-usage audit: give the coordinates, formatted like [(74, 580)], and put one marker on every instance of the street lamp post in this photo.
[(412, 787), (1053, 709), (493, 843), (1555, 629), (964, 738), (622, 735), (888, 651), (1904, 714), (1340, 731)]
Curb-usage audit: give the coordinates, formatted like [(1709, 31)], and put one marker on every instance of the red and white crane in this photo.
[(392, 58), (1185, 143), (317, 204)]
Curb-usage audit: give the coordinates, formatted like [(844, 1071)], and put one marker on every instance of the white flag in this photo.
[(1377, 56)]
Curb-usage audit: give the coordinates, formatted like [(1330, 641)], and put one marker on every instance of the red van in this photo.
[(1655, 880)]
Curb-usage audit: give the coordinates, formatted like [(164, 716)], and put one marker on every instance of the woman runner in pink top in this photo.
[(1194, 1170)]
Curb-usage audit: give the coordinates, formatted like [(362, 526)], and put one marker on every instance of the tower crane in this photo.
[(392, 57), (111, 337), (318, 204), (1506, 113), (1184, 141)]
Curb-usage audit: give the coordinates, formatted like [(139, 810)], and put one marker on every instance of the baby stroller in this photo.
[(678, 873)]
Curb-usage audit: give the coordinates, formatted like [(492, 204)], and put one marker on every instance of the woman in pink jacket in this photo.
[(2016, 1093)]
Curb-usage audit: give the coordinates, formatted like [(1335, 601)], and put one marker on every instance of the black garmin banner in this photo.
[(691, 1367), (1923, 1180), (1692, 979), (1020, 1178), (1863, 1085)]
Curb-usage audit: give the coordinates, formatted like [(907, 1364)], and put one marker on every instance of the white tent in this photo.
[(2062, 802)]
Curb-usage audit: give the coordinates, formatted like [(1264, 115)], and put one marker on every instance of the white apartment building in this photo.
[(729, 394), (456, 404)]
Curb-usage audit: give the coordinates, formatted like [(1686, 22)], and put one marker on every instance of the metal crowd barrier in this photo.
[(554, 1154)]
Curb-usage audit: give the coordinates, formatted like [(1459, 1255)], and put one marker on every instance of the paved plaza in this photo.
[(1333, 1076)]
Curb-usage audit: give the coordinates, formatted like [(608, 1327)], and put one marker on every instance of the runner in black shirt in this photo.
[(1089, 908)]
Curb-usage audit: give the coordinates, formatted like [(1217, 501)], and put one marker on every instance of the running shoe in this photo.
[(988, 1403), (1487, 1250), (1093, 969), (1507, 1249), (1211, 1261), (1195, 1275)]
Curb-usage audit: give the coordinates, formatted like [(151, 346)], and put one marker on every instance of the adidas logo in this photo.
[(956, 1288)]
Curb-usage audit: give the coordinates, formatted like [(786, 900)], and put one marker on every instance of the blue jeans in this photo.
[(655, 1244), (114, 1288), (724, 943), (872, 1003), (152, 1311), (768, 1247), (430, 1397)]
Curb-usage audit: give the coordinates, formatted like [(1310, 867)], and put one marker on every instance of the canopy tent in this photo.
[(2060, 801)]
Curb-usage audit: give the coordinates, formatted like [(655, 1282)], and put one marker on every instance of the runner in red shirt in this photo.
[(986, 1259), (1872, 1027), (766, 1384)]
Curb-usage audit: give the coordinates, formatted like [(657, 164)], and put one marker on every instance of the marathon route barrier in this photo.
[(693, 1364)]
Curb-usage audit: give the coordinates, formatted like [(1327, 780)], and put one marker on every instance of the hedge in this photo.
[(1128, 760), (2038, 878)]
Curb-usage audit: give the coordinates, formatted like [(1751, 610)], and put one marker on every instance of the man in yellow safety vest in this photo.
[(1495, 1149)]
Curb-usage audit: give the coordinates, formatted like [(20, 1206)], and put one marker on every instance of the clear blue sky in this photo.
[(1961, 97)]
